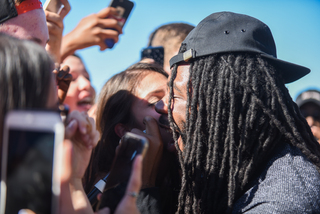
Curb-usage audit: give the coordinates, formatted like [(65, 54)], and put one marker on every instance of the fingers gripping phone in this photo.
[(53, 6), (155, 53), (31, 162), (131, 145), (124, 8)]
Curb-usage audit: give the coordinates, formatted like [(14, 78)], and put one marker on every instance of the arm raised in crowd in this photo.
[(127, 204), (91, 30), (81, 131), (55, 27)]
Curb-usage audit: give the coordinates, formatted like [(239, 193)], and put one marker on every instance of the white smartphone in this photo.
[(53, 6), (31, 162)]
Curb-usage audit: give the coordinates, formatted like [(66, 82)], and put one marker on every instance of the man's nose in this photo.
[(162, 107)]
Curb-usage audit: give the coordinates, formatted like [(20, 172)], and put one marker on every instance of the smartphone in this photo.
[(124, 8), (155, 53), (131, 145), (31, 162), (53, 6)]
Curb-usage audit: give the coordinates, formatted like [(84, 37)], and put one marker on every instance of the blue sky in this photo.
[(295, 25)]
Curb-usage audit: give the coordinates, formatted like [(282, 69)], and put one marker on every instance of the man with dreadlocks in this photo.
[(244, 146)]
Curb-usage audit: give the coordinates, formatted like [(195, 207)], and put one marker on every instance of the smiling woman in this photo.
[(81, 94)]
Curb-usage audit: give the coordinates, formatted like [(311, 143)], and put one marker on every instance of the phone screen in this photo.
[(29, 171)]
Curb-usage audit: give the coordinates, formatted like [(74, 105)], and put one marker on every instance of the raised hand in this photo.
[(91, 30), (153, 156), (55, 27)]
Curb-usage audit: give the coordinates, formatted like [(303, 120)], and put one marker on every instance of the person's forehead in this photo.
[(30, 26), (152, 82), (183, 72), (75, 64)]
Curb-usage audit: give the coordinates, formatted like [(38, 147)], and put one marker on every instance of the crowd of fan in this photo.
[(224, 134)]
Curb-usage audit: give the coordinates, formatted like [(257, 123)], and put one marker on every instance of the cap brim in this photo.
[(290, 72), (301, 103), (175, 59)]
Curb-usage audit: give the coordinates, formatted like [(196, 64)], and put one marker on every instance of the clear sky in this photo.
[(295, 25)]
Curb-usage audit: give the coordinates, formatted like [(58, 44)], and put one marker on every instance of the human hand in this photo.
[(65, 206), (68, 201), (63, 79), (152, 159), (128, 204), (55, 28), (92, 30), (81, 130)]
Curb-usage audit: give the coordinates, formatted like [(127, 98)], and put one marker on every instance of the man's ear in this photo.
[(120, 129)]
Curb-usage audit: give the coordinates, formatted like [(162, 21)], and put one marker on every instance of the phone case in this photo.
[(124, 8), (155, 53)]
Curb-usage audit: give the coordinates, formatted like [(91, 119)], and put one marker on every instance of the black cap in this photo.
[(310, 96), (231, 32), (7, 10)]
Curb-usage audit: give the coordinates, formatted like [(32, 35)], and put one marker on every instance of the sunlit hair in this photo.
[(81, 60), (238, 113)]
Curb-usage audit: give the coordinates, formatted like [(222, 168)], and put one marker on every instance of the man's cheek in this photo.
[(180, 143)]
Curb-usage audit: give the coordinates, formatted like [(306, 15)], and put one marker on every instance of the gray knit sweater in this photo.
[(289, 184)]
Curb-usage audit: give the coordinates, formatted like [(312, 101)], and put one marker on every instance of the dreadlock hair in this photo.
[(238, 112)]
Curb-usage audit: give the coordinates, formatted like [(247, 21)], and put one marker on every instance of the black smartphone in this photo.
[(131, 145), (31, 162), (124, 8), (155, 53)]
